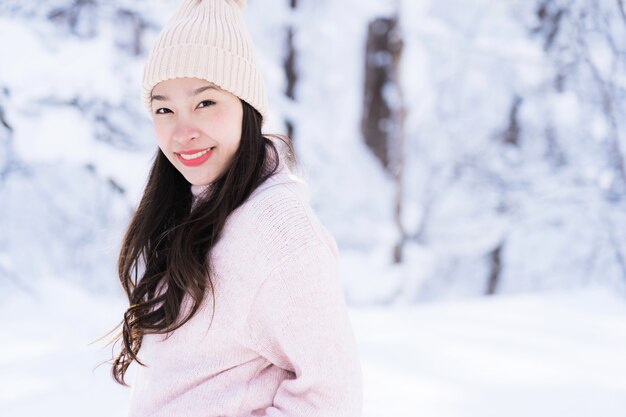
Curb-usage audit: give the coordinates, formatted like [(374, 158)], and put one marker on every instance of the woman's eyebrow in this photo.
[(192, 94)]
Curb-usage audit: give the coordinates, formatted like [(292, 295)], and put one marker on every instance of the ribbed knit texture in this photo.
[(280, 343), (207, 39)]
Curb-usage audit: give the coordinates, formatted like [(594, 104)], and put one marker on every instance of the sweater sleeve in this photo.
[(299, 322)]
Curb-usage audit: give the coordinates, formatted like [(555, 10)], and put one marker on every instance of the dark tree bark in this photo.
[(289, 65), (377, 123), (382, 123), (511, 135), (496, 269)]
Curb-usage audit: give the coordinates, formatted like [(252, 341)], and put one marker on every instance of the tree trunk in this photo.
[(289, 65), (382, 123), (511, 135), (496, 269)]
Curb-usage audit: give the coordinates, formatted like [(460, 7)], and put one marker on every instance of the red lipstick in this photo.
[(198, 160)]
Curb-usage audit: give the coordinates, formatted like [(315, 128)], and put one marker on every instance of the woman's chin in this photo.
[(196, 179)]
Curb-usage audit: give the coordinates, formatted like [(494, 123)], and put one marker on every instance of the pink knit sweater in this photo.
[(280, 343)]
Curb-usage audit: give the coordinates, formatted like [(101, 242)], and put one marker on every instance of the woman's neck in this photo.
[(198, 190)]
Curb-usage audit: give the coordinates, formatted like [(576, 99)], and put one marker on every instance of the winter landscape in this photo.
[(477, 194)]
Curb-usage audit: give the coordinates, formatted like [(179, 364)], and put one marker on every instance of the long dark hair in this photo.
[(168, 240)]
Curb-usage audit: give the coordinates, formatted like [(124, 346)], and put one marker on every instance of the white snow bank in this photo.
[(529, 355)]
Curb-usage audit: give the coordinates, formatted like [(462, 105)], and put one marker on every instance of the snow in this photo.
[(464, 192), (558, 353), (76, 151)]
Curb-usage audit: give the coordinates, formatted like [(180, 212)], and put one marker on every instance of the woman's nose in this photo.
[(185, 131)]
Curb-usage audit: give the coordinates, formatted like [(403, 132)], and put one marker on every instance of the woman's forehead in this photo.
[(183, 86)]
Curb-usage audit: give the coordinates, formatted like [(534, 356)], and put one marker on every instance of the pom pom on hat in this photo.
[(207, 39)]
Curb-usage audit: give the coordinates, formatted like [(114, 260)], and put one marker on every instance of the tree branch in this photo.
[(622, 12)]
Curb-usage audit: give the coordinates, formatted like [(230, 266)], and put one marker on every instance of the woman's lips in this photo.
[(194, 157)]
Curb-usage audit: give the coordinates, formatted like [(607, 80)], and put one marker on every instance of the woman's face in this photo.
[(198, 127)]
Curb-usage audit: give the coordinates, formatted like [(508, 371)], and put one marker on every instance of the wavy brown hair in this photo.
[(168, 240)]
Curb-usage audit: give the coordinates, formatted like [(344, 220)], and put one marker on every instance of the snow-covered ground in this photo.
[(554, 354)]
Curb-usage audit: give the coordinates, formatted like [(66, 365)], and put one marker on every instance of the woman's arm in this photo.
[(299, 321)]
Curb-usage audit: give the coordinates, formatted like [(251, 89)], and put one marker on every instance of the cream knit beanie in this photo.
[(207, 39)]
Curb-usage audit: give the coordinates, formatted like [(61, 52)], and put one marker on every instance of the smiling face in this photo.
[(197, 126)]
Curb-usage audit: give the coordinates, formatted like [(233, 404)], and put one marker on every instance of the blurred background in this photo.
[(467, 155)]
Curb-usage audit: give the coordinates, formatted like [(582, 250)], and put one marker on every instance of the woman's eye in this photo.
[(162, 110), (206, 103)]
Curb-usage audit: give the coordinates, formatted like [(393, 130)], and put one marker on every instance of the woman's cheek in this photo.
[(161, 133)]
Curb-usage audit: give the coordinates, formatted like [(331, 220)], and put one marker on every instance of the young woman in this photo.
[(236, 307)]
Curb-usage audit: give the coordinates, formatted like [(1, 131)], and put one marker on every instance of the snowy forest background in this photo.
[(454, 148), (491, 159)]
